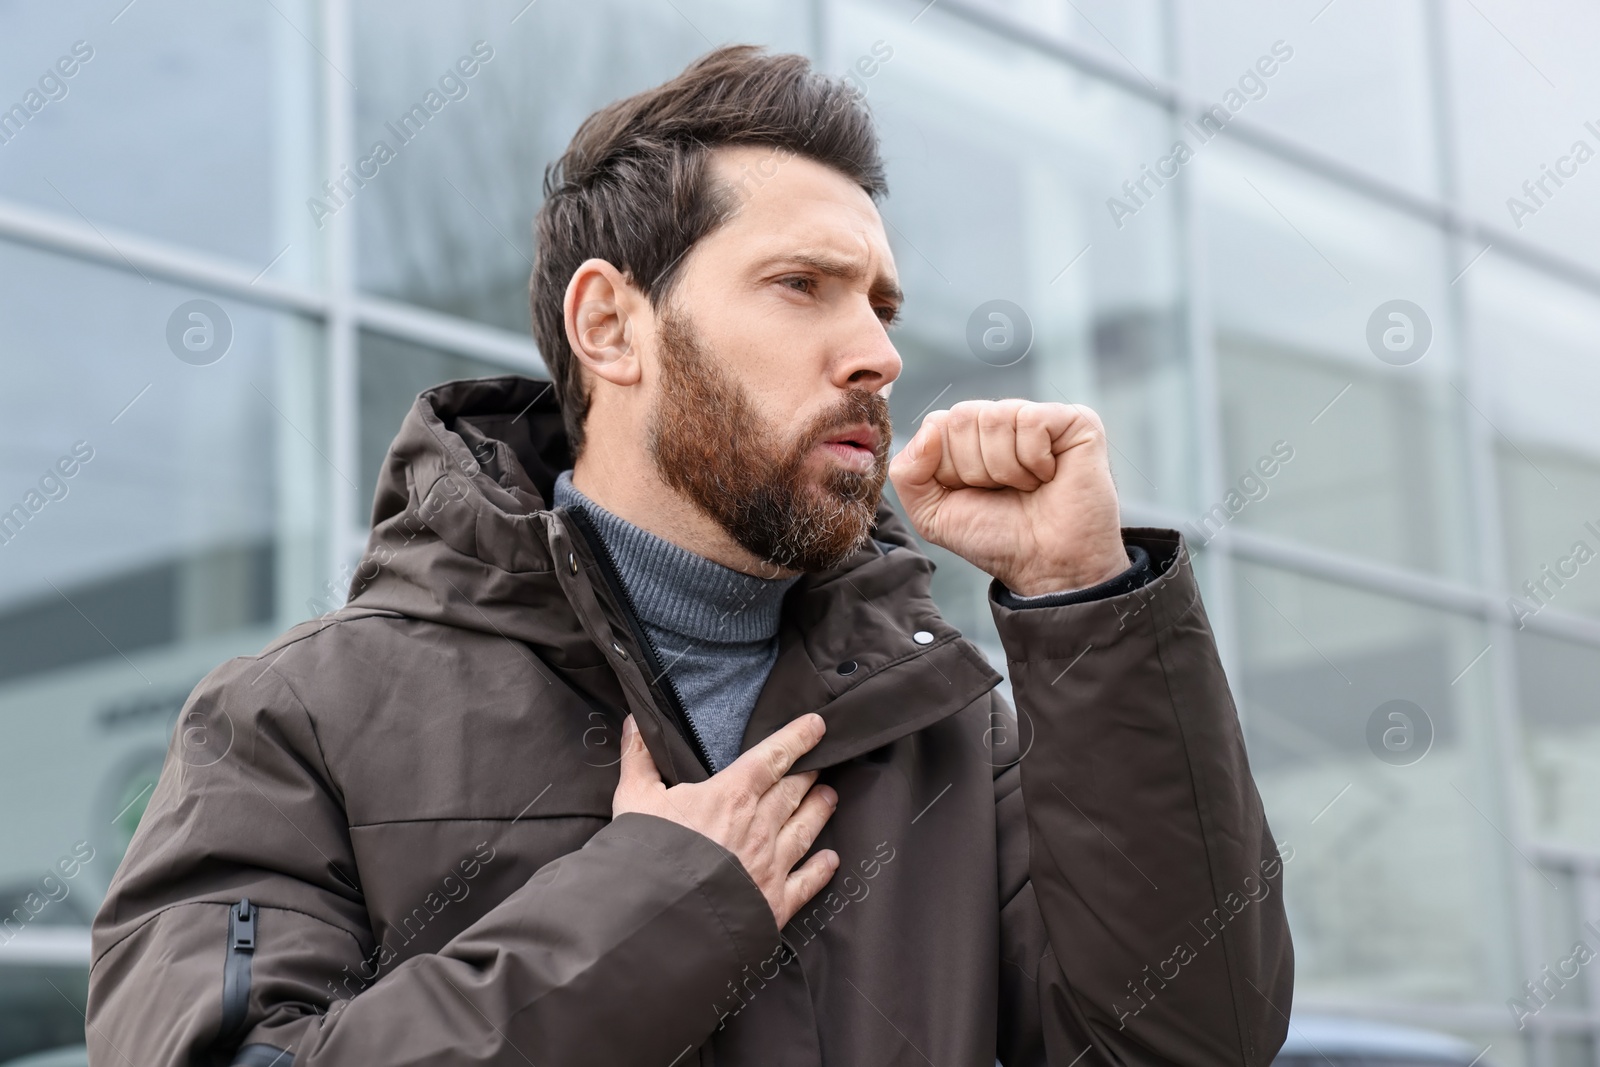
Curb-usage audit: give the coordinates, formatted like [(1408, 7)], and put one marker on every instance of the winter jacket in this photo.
[(387, 837)]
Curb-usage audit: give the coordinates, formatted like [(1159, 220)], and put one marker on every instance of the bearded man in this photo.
[(641, 741)]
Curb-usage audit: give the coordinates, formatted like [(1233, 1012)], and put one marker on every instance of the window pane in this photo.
[(1523, 82), (186, 121), (1541, 340), (1303, 278), (1368, 741), (160, 515), (1561, 731), (1349, 81)]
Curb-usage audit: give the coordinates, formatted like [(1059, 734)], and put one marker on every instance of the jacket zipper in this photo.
[(236, 979), (668, 689)]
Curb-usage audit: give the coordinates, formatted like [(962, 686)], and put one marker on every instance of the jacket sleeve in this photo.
[(1142, 917), (615, 953)]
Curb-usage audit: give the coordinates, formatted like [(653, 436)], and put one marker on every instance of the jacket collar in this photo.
[(462, 534)]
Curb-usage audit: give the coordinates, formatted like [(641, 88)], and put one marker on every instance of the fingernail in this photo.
[(833, 858), (628, 727), (831, 795)]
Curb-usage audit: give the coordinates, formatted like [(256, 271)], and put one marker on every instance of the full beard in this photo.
[(711, 444)]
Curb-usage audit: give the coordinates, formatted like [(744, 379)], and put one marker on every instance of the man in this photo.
[(641, 741)]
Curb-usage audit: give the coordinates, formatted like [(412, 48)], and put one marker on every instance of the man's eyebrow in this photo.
[(834, 266)]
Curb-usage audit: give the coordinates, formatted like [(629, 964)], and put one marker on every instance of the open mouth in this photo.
[(853, 453), (855, 439)]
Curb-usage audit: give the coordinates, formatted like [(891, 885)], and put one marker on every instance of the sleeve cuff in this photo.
[(1139, 574)]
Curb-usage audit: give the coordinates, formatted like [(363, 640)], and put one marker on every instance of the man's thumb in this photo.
[(914, 467), (637, 764)]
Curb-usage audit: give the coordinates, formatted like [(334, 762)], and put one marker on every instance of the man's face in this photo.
[(773, 365)]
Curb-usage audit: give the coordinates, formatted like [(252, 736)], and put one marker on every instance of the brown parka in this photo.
[(387, 838)]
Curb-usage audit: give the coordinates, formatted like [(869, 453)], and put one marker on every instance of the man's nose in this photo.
[(869, 359)]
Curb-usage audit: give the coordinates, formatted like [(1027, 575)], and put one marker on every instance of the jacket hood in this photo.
[(463, 535)]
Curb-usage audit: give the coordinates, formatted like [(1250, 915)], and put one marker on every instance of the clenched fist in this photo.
[(1020, 489)]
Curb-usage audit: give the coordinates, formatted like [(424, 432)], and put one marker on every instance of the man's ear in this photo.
[(600, 308)]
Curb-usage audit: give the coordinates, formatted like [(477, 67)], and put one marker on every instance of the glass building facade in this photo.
[(1329, 270)]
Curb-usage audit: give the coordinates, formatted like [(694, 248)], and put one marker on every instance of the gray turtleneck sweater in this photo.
[(716, 628)]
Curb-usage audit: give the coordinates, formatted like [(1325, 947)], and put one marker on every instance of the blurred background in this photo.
[(1347, 338)]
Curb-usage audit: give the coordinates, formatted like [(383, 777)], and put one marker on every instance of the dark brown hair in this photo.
[(633, 187)]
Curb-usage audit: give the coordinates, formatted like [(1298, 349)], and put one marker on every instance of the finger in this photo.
[(962, 465), (807, 881), (782, 799), (1035, 444), (997, 440), (765, 764), (1073, 426), (800, 832), (913, 468), (638, 767)]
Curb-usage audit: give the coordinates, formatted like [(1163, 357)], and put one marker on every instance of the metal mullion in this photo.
[(1200, 339), (1504, 765), (54, 235), (345, 531), (419, 325), (1408, 586), (107, 246), (1588, 879)]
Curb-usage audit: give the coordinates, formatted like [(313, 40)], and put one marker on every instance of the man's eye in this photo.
[(797, 281), (889, 315)]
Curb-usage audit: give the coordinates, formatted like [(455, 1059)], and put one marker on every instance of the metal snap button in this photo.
[(572, 562), (620, 650), (847, 667), (922, 637)]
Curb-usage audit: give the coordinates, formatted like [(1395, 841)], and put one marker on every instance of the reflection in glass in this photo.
[(1540, 341), (1371, 762), (1561, 734), (1301, 275), (447, 222)]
